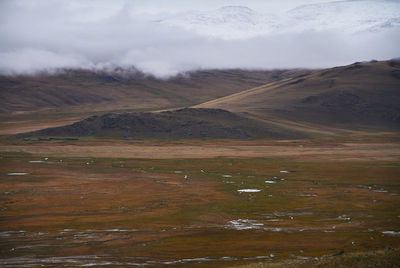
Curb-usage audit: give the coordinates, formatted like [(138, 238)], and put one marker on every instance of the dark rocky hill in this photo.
[(183, 123)]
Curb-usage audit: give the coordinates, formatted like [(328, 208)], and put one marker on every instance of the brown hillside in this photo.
[(361, 95), (122, 89)]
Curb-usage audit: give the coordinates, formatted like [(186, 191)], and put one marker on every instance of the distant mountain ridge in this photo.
[(241, 22), (126, 89)]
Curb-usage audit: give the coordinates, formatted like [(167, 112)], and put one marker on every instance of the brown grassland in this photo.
[(176, 203)]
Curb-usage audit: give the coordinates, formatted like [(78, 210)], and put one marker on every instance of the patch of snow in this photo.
[(380, 191), (10, 233), (36, 161), (17, 174), (270, 181), (391, 233), (284, 171), (227, 176), (248, 190), (244, 224)]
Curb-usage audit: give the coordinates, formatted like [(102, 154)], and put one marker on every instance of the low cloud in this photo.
[(49, 35)]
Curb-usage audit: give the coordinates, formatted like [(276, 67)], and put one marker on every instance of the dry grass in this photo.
[(330, 150), (381, 258), (70, 208)]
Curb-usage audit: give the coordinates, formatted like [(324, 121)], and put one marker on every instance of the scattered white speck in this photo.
[(291, 217), (352, 242), (227, 176), (391, 233), (17, 174), (248, 190), (46, 158), (87, 163), (380, 191), (284, 171), (344, 218), (271, 255), (270, 181), (185, 177), (36, 161), (244, 224)]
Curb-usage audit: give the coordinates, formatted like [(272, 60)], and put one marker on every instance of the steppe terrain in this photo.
[(309, 177)]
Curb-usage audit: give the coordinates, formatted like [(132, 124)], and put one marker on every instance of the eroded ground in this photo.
[(62, 204)]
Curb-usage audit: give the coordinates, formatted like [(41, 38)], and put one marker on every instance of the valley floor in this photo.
[(197, 203)]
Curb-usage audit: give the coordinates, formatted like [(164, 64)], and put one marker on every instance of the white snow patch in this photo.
[(227, 176), (380, 191), (248, 190), (270, 181), (17, 174), (244, 224), (391, 233)]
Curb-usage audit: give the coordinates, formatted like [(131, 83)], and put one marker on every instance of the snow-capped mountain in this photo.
[(350, 16), (241, 22), (228, 22)]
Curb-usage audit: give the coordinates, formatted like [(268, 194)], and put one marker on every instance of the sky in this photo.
[(164, 38)]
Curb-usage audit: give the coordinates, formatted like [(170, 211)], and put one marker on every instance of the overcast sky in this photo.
[(164, 37)]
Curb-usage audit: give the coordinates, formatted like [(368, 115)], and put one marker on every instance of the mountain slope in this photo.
[(361, 95), (125, 89), (183, 123), (241, 22)]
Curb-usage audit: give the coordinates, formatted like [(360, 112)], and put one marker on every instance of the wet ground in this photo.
[(85, 211)]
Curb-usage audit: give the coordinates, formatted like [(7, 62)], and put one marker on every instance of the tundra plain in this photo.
[(320, 192)]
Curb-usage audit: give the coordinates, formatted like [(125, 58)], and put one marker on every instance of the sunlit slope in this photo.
[(361, 95)]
